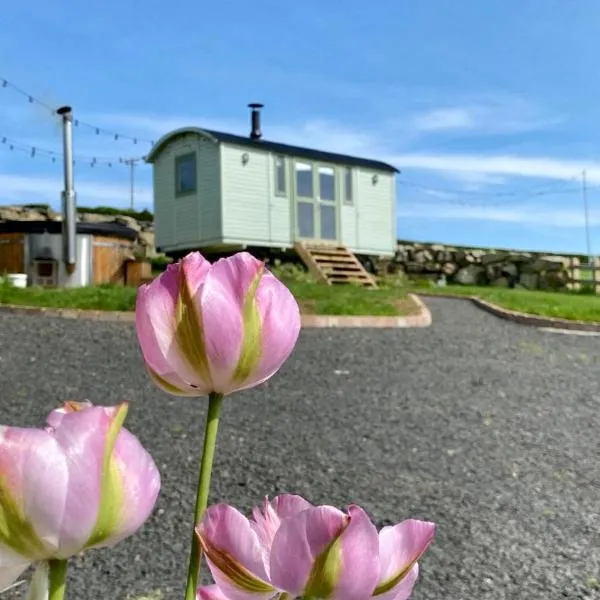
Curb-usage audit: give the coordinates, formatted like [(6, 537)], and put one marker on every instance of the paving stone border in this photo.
[(422, 319), (522, 318)]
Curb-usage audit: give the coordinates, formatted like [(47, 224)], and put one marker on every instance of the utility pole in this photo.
[(586, 214), (132, 164)]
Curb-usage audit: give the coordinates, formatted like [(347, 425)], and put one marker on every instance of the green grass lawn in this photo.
[(88, 298), (313, 298), (564, 305)]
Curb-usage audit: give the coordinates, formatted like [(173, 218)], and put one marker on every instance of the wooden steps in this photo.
[(333, 264)]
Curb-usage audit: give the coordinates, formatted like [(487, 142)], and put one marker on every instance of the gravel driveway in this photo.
[(488, 428)]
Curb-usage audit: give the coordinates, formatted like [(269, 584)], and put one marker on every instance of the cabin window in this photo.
[(327, 184), (185, 174), (304, 180), (280, 179), (348, 190)]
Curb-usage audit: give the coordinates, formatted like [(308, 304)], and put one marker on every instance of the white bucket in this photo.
[(18, 280)]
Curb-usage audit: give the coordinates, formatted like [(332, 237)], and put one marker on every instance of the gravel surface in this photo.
[(488, 428)]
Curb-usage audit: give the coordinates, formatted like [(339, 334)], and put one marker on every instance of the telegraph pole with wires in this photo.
[(586, 215), (132, 164)]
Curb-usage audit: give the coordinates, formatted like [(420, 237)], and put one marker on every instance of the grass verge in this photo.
[(562, 305), (313, 298)]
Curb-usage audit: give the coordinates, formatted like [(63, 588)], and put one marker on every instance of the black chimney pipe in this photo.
[(255, 133)]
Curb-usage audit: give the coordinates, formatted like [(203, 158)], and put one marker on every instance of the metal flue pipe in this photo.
[(69, 228)]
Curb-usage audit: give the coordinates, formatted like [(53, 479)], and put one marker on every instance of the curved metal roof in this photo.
[(262, 144)]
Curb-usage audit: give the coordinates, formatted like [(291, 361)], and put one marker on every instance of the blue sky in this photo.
[(490, 109)]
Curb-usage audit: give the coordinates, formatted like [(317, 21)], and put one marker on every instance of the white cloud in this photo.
[(523, 215), (458, 164), (503, 115), (315, 133), (22, 189), (444, 118)]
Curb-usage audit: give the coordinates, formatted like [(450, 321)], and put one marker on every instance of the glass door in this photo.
[(306, 203), (327, 215)]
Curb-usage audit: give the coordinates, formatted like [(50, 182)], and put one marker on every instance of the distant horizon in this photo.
[(400, 240)]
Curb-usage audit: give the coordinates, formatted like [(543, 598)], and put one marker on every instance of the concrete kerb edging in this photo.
[(522, 318), (423, 319)]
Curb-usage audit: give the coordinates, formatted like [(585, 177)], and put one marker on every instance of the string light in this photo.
[(5, 83), (35, 151)]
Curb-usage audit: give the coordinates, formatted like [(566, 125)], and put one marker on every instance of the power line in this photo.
[(6, 84), (534, 191), (37, 151)]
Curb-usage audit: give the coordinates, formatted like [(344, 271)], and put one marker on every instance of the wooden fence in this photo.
[(584, 275)]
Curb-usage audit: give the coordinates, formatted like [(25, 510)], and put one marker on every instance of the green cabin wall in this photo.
[(252, 213), (192, 220)]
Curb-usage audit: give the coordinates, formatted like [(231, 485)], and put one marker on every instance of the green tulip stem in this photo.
[(206, 464), (57, 579)]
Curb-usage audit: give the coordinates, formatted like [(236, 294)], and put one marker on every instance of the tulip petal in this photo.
[(140, 480), (34, 480), (210, 592), (268, 519), (160, 323), (11, 566), (94, 494), (39, 586), (226, 302), (55, 417), (359, 546), (174, 385), (404, 589), (234, 554), (400, 547), (299, 542), (280, 318)]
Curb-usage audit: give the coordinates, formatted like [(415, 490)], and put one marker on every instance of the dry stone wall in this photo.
[(475, 266)]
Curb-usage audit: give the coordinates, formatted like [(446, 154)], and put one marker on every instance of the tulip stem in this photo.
[(206, 463), (57, 579)]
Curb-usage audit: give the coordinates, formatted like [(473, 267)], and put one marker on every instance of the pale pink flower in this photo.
[(292, 549), (218, 327)]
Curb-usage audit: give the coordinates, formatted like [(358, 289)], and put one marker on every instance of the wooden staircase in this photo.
[(333, 264)]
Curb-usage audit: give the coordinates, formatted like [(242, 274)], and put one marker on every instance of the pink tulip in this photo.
[(292, 549), (218, 327), (81, 482)]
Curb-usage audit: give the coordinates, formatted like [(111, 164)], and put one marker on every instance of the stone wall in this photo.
[(476, 266)]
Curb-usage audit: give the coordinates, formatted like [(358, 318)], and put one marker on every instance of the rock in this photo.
[(490, 259), (529, 280), (471, 275), (128, 222), (94, 218), (500, 282), (449, 268), (509, 269), (540, 264)]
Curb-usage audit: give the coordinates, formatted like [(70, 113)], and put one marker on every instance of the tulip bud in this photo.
[(82, 482), (216, 328)]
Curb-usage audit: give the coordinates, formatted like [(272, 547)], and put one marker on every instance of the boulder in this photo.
[(494, 258), (529, 281), (500, 282), (471, 275)]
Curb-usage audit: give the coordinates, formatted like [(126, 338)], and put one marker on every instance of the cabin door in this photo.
[(316, 202)]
